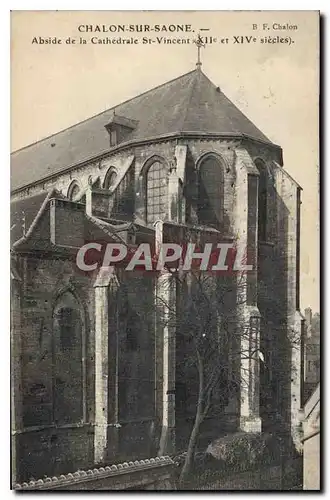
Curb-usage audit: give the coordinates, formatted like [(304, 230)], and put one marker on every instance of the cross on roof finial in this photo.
[(199, 42)]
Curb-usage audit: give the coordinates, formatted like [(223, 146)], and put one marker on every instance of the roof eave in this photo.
[(139, 142)]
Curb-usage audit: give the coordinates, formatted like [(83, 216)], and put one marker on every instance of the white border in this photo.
[(5, 6)]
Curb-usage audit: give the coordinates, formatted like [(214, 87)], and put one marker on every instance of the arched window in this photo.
[(210, 191), (136, 361), (68, 331), (156, 192), (262, 200), (110, 178), (74, 191)]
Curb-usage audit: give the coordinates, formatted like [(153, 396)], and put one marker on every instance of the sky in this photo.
[(276, 84)]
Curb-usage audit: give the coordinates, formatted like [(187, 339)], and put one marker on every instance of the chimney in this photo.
[(308, 318)]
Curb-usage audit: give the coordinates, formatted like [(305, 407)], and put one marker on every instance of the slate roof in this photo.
[(189, 103), (26, 212), (27, 209)]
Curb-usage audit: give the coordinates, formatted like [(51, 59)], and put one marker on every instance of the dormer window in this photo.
[(119, 129), (113, 138)]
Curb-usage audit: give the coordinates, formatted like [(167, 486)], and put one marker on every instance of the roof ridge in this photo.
[(231, 102), (245, 116), (102, 112), (236, 106), (207, 78), (192, 86)]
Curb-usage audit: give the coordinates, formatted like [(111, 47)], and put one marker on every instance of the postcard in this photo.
[(165, 316)]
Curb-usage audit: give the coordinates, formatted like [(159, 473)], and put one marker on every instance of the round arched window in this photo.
[(74, 191), (210, 193), (156, 189), (68, 355), (110, 179)]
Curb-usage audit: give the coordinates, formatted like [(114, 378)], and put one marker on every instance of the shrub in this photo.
[(243, 451)]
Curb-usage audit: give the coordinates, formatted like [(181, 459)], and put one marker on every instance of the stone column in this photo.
[(105, 288), (166, 300), (88, 194), (174, 198), (250, 420), (176, 205), (248, 325), (295, 336), (288, 279)]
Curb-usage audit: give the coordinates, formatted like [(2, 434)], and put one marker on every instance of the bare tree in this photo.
[(205, 315)]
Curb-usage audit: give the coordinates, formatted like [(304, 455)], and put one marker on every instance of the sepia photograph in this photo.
[(164, 255)]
